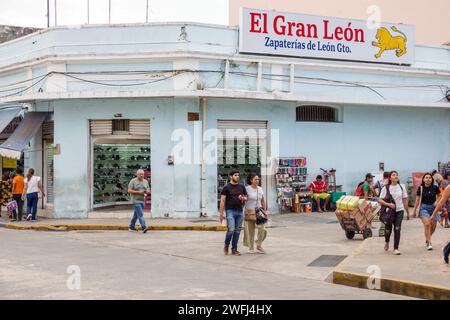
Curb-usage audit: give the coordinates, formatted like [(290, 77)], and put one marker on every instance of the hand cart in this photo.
[(351, 228)]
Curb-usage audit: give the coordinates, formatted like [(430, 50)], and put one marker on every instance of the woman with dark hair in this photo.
[(427, 195), (445, 207), (5, 191), (255, 199), (31, 189), (400, 197)]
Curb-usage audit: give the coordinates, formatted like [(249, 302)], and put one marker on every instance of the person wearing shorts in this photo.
[(427, 195), (319, 189)]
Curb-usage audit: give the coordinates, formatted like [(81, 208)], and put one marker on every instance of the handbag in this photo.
[(250, 214), (261, 214), (387, 214)]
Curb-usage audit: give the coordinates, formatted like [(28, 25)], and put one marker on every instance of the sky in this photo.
[(32, 13)]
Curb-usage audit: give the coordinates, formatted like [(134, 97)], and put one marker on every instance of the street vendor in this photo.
[(369, 191), (319, 189)]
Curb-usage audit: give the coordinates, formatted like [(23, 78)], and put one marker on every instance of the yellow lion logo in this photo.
[(387, 42)]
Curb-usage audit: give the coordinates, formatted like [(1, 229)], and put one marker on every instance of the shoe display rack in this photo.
[(290, 178), (114, 166), (244, 157)]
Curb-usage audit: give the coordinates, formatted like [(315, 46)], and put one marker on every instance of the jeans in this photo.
[(235, 218), (32, 203), (398, 218), (426, 211), (17, 214), (138, 214)]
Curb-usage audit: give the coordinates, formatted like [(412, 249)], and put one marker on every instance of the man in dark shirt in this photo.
[(232, 198)]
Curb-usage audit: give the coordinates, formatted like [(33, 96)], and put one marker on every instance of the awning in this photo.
[(18, 141), (6, 116)]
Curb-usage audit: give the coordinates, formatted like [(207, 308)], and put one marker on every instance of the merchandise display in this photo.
[(114, 166), (290, 179)]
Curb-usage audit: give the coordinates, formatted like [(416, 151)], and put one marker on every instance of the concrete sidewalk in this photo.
[(417, 272), (45, 224)]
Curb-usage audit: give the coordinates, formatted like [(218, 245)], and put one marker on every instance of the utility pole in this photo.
[(48, 13), (55, 14), (146, 13), (87, 11), (109, 19)]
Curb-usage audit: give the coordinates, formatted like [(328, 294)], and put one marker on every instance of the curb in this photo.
[(104, 227), (394, 286), (389, 285)]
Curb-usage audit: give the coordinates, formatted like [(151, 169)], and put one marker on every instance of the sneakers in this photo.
[(28, 217), (397, 252), (386, 246), (251, 251), (132, 229), (235, 252), (145, 230), (429, 246), (225, 249)]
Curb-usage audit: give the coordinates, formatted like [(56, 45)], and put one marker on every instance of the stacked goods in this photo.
[(290, 178), (358, 210)]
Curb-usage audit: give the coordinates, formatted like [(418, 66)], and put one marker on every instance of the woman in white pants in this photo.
[(255, 200)]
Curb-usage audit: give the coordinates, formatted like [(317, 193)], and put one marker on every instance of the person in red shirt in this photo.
[(319, 189)]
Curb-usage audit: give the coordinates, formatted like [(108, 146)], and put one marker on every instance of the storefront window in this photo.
[(238, 154), (114, 166)]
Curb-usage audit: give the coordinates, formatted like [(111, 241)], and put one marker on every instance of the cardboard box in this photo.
[(365, 207), (338, 213)]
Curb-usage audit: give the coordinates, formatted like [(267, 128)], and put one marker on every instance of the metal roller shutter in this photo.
[(140, 127), (101, 127), (260, 127)]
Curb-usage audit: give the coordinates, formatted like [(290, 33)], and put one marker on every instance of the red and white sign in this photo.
[(300, 35)]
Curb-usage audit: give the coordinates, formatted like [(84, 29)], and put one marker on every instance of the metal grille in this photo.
[(316, 113), (327, 261), (121, 125), (48, 130)]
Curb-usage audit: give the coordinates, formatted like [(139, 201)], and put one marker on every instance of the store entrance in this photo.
[(243, 149), (115, 163)]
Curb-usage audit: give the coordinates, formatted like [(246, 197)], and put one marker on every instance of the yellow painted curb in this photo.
[(105, 227), (390, 285), (395, 286)]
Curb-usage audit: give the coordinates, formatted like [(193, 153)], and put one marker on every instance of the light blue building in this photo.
[(122, 97)]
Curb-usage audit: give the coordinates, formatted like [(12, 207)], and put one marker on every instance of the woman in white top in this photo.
[(31, 190), (400, 197), (255, 198)]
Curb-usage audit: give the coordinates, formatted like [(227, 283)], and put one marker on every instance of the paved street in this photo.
[(176, 264)]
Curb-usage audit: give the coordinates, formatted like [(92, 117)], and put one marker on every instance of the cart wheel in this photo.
[(367, 233), (349, 234)]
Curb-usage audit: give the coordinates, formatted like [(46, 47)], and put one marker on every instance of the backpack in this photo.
[(387, 214), (359, 190)]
